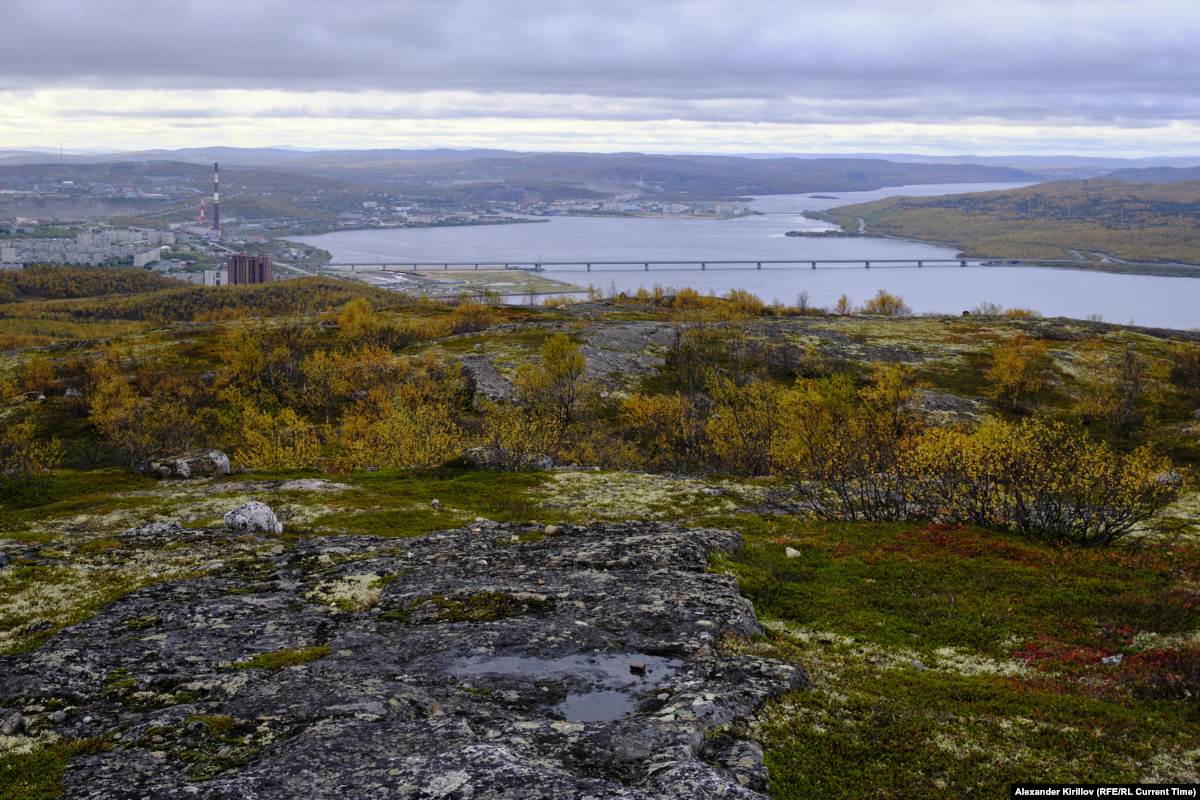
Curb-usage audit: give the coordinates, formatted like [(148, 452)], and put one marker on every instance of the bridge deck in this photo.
[(599, 265)]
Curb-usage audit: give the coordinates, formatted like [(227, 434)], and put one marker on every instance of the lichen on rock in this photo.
[(583, 664)]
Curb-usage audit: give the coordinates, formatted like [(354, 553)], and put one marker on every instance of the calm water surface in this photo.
[(1140, 299)]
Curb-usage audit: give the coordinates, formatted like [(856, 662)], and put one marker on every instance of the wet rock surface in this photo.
[(493, 661)]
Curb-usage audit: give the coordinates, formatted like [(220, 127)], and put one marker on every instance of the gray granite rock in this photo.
[(253, 517), (458, 664)]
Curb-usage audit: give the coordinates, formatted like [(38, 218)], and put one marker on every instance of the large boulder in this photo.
[(494, 457), (253, 517), (195, 464)]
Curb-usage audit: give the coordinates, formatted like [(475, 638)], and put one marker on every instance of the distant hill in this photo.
[(167, 191), (1157, 175), (461, 174), (1131, 222), (691, 177)]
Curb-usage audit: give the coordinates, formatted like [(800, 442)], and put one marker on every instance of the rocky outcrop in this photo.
[(197, 464), (486, 381), (494, 661), (620, 353)]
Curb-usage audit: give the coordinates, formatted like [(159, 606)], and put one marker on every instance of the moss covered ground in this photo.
[(946, 662)]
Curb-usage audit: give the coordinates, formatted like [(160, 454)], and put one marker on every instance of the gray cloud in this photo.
[(1122, 63)]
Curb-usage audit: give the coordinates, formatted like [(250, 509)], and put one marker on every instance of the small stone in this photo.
[(1113, 661), (58, 717), (13, 725), (159, 754), (435, 504), (637, 668), (514, 539), (791, 552), (87, 720), (551, 530), (918, 665)]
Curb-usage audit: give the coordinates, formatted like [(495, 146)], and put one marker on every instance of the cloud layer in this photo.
[(524, 71)]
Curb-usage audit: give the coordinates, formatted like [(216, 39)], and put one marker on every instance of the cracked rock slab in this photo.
[(493, 661)]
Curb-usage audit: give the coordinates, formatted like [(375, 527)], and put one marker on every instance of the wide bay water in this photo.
[(1140, 299)]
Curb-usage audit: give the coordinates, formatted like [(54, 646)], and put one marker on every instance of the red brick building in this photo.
[(246, 269)]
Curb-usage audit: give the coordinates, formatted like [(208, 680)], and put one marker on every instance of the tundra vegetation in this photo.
[(977, 533)]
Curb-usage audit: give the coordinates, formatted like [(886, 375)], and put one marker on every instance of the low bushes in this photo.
[(862, 454), (1040, 478)]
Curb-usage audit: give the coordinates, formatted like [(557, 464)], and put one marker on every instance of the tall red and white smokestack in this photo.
[(216, 211)]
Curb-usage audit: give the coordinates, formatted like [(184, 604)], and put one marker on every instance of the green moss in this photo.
[(397, 503), (94, 547), (485, 607), (948, 661), (217, 745), (482, 691), (68, 493), (142, 623), (214, 724), (279, 659), (38, 775), (476, 607), (928, 587)]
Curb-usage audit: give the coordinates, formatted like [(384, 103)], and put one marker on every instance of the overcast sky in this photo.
[(968, 76)]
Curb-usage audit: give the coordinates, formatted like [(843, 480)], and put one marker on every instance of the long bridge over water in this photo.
[(658, 265)]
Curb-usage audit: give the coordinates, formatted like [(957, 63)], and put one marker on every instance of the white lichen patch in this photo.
[(24, 745), (965, 663), (848, 650), (628, 495), (349, 592), (1174, 767), (48, 596), (1149, 640)]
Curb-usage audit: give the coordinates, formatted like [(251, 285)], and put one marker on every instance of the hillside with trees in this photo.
[(1064, 220)]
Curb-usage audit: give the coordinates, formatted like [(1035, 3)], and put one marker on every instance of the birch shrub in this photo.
[(856, 453)]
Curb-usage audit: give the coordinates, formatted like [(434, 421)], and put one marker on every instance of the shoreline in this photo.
[(1161, 269)]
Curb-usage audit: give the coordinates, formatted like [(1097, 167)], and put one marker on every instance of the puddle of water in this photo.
[(601, 686), (597, 706)]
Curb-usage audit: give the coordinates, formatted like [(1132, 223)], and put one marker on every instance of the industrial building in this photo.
[(246, 269)]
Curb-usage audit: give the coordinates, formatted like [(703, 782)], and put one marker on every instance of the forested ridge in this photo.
[(1134, 222)]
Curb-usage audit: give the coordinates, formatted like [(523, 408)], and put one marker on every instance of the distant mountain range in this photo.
[(1046, 167), (285, 182), (497, 175)]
